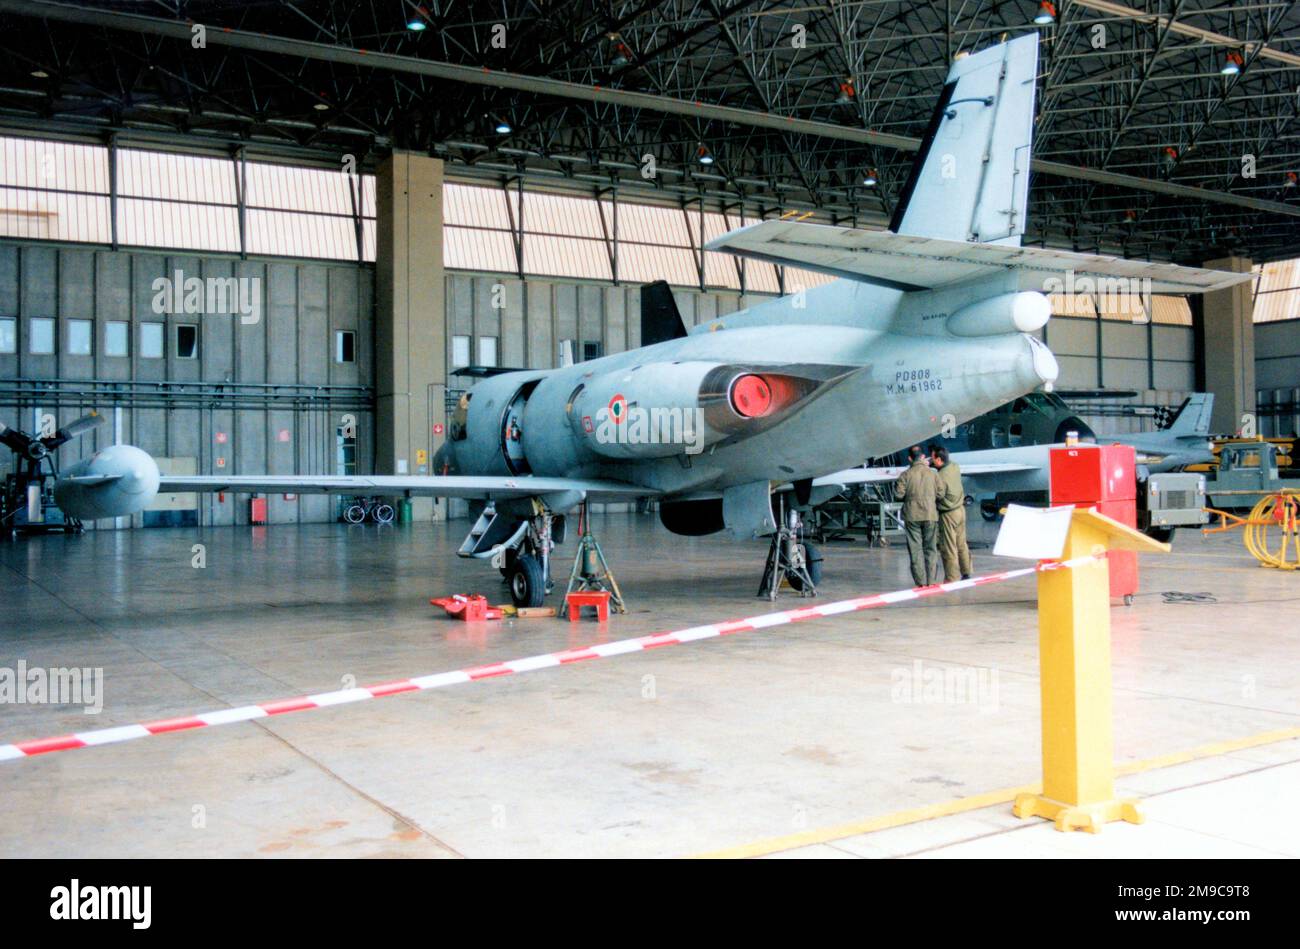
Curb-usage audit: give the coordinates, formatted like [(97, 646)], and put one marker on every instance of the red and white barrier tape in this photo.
[(244, 713)]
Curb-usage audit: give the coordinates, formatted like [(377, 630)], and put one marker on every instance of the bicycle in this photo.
[(375, 509)]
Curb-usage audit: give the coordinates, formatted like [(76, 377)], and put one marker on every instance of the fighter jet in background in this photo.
[(932, 319), (1022, 472), (1003, 454)]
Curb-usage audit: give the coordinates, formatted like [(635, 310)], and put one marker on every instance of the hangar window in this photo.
[(151, 341), (117, 338), (79, 337), (8, 335), (459, 351), (187, 341), (42, 333), (487, 350), (345, 346), (592, 351), (345, 461), (1277, 291)]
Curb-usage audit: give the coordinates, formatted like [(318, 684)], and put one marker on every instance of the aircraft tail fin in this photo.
[(971, 178), (660, 318), (1193, 416)]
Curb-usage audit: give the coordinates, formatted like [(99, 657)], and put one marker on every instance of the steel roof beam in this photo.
[(267, 43)]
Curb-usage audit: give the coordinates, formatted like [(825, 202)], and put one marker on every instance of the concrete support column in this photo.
[(410, 318), (1228, 333)]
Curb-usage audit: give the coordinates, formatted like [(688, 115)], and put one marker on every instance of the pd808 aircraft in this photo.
[(931, 319)]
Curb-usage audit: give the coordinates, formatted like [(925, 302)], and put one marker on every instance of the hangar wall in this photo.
[(1155, 359), (1277, 354), (531, 319), (264, 396), (1277, 376)]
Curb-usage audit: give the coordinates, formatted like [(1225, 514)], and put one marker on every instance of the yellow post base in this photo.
[(1069, 817)]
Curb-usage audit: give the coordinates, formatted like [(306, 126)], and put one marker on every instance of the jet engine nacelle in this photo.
[(114, 482), (1023, 312), (663, 409)]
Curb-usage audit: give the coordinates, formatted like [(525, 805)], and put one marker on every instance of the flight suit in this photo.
[(919, 489), (952, 524)]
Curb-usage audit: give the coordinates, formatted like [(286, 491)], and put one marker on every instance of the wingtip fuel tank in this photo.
[(114, 482)]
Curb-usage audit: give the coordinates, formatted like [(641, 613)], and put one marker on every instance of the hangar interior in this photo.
[(401, 200)]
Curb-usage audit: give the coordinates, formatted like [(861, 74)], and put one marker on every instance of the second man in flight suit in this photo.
[(952, 517), (919, 489)]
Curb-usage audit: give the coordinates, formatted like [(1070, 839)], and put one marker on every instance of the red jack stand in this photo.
[(471, 609)]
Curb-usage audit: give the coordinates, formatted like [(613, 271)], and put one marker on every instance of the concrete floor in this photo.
[(712, 746)]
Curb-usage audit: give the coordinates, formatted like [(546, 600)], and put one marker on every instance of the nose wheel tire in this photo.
[(527, 582)]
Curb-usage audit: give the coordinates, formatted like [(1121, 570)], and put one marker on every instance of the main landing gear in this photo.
[(790, 557)]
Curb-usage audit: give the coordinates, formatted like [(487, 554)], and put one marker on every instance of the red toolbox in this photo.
[(1104, 477), (257, 511)]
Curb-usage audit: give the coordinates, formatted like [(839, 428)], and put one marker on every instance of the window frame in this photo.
[(162, 339), (340, 349), (176, 333), (43, 322), (88, 327), (457, 339), (126, 339)]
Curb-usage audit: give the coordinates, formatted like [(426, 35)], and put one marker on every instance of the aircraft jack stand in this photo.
[(590, 569), (785, 558)]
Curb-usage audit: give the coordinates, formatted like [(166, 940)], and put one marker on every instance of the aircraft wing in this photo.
[(876, 475), (923, 263), (442, 486)]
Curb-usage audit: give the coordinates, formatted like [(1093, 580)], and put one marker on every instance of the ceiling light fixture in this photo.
[(1046, 13)]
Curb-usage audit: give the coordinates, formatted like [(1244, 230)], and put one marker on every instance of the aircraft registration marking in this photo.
[(907, 381)]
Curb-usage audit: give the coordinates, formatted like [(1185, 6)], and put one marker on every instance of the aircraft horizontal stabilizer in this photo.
[(904, 262)]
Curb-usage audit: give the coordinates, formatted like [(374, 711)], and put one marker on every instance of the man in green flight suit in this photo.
[(919, 489), (952, 517)]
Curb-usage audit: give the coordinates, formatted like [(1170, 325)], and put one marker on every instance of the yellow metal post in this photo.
[(1074, 665)]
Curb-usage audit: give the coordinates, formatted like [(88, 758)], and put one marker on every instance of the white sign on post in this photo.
[(1033, 533)]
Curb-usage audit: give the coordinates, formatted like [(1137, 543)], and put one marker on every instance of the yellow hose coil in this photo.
[(1277, 515)]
